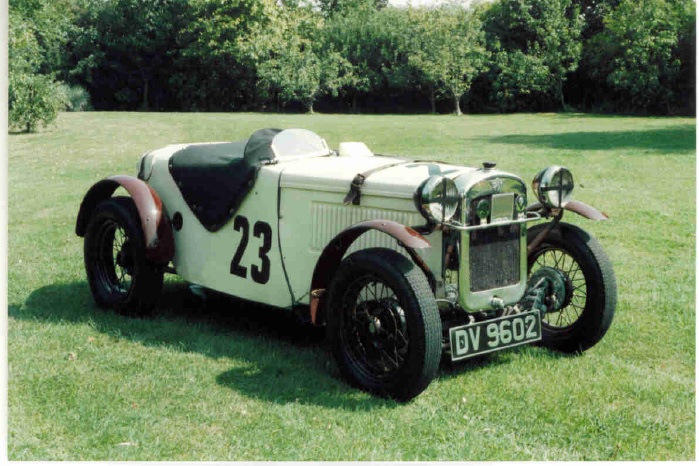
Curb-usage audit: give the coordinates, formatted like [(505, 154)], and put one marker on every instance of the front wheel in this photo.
[(119, 274), (383, 324), (590, 297)]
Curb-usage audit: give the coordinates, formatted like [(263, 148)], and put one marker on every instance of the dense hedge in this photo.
[(630, 56)]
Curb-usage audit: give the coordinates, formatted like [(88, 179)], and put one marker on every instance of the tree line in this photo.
[(624, 56)]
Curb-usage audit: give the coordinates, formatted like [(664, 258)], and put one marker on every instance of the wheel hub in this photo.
[(374, 326), (124, 258), (558, 287), (384, 321)]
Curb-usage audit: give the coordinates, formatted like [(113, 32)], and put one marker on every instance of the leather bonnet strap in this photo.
[(354, 194)]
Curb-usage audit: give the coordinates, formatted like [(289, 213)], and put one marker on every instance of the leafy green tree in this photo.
[(298, 74), (593, 13), (581, 90), (217, 66), (24, 50), (637, 55), (50, 23), (33, 97), (296, 65), (343, 33), (334, 8), (686, 52), (123, 50), (372, 43), (536, 44), (447, 51)]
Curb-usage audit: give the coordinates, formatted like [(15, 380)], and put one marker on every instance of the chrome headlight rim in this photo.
[(438, 199), (553, 186)]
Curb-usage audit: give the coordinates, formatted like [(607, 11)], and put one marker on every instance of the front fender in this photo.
[(333, 253), (157, 231), (585, 210), (578, 207)]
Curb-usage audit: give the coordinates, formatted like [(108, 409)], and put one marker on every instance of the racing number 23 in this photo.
[(259, 273)]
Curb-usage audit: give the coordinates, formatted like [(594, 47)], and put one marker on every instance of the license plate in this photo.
[(494, 335)]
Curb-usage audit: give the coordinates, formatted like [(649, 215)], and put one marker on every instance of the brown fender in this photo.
[(578, 207), (333, 253), (160, 245), (585, 210)]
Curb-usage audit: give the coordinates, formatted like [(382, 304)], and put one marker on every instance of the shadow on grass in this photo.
[(677, 139), (284, 360), (278, 354)]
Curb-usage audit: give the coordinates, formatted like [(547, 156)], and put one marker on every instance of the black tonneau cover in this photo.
[(215, 178)]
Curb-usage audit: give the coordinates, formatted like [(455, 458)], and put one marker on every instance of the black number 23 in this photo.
[(259, 273)]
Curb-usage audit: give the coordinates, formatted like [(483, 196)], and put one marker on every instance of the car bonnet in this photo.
[(335, 174)]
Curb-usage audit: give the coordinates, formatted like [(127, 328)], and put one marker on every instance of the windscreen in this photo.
[(295, 143)]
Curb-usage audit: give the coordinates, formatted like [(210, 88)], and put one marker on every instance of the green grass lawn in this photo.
[(236, 381)]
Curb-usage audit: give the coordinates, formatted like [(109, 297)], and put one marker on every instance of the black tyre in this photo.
[(590, 302), (383, 324), (118, 272)]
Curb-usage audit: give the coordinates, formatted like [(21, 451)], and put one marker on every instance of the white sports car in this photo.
[(402, 260)]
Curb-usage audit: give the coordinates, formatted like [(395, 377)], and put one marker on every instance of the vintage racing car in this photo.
[(402, 260)]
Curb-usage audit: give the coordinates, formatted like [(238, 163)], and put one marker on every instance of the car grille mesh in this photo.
[(494, 257)]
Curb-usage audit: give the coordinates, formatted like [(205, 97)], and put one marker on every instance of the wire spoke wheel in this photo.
[(119, 274), (383, 324), (576, 286), (115, 259), (590, 302), (375, 329)]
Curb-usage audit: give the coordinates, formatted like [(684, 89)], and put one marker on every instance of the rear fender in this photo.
[(157, 232), (333, 253)]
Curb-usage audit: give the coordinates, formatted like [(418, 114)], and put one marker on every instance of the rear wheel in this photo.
[(590, 302), (383, 324), (119, 274)]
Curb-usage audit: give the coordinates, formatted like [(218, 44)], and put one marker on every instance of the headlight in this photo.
[(437, 199), (553, 186)]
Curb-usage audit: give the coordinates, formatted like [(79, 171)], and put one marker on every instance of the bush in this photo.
[(77, 99), (33, 99)]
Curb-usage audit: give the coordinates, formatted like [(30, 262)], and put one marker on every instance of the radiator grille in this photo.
[(494, 257)]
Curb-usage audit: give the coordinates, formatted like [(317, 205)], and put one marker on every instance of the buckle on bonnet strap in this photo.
[(355, 192)]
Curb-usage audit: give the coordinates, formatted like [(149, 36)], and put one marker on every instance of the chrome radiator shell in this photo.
[(493, 256)]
